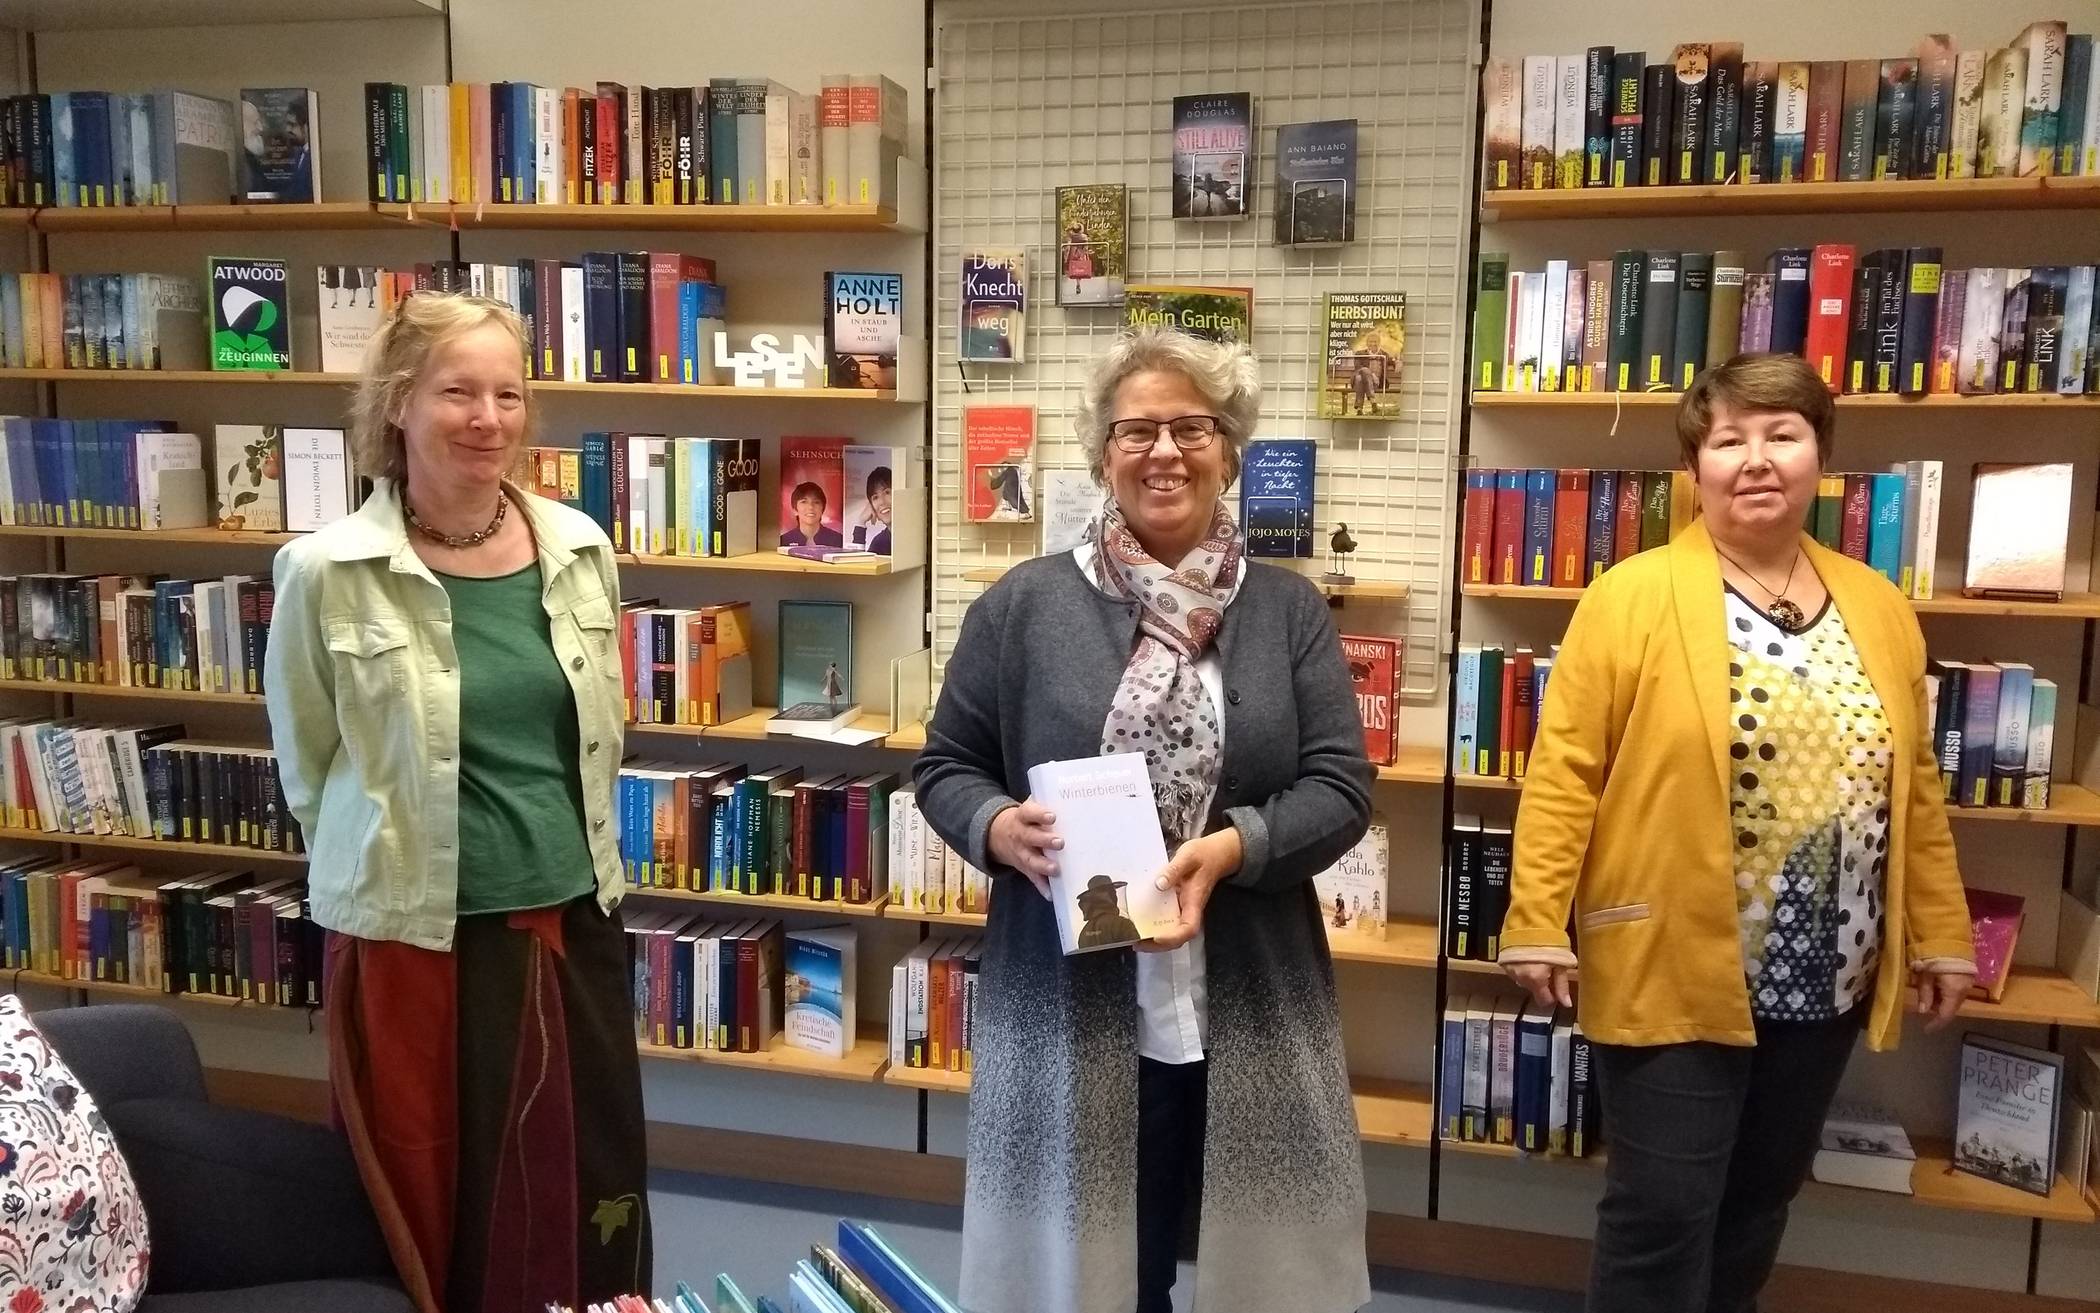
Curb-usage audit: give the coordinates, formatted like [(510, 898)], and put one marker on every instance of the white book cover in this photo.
[(1105, 891), (834, 116), (2044, 42), (572, 323), (1557, 1097), (951, 881), (900, 845), (1570, 101), (7, 482), (349, 313), (1069, 502), (871, 476), (1863, 1145), (916, 965), (779, 148), (1541, 77), (2004, 106), (1553, 317), (2074, 350), (2005, 1123), (317, 478), (936, 859), (899, 985), (1467, 722), (1531, 315), (2089, 144), (637, 145), (437, 144), (171, 481), (2041, 749), (1931, 474), (1352, 892), (1982, 320), (547, 145), (804, 177), (1790, 108), (418, 147), (209, 660), (818, 975), (1966, 136)]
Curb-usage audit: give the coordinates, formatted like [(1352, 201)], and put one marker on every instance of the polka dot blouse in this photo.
[(1810, 756)]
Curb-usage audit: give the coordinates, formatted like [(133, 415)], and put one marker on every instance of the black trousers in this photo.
[(1707, 1144), (1171, 1101)]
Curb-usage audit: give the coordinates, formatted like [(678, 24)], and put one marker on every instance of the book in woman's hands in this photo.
[(1105, 889)]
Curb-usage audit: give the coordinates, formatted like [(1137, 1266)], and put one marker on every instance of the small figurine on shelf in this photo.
[(834, 687), (1341, 545)]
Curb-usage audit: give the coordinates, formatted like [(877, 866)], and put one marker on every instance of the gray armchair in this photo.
[(248, 1212)]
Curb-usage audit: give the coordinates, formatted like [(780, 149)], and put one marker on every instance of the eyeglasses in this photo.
[(1190, 433)]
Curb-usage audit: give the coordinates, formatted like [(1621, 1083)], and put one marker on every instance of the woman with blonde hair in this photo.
[(446, 706)]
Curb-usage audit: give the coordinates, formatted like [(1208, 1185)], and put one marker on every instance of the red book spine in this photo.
[(1505, 747), (1826, 117), (1852, 529), (1509, 529), (1571, 516), (262, 949), (747, 993), (627, 662), (798, 846), (663, 316), (1518, 677), (610, 123), (1374, 665), (659, 989), (856, 843), (1626, 523), (1829, 313), (1480, 525), (696, 269)]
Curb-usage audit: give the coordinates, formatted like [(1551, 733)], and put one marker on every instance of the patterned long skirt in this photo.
[(492, 1097)]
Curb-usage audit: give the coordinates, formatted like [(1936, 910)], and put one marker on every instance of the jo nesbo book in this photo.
[(250, 314), (1213, 138), (1092, 230), (994, 305), (998, 463), (1366, 334), (1276, 497), (863, 323), (1316, 183), (1105, 891), (1219, 314)]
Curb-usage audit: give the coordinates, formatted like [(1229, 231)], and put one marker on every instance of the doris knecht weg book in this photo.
[(250, 314)]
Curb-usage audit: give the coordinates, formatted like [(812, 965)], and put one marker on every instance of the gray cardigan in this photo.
[(1049, 1214)]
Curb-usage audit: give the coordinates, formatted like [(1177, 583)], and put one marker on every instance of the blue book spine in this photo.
[(1534, 1080), (1276, 497), (835, 853), (597, 479), (717, 836), (1451, 1075), (2009, 742), (601, 317), (1885, 525), (689, 358), (1604, 509), (702, 461), (1537, 563), (523, 164), (50, 492), (91, 147), (721, 140)]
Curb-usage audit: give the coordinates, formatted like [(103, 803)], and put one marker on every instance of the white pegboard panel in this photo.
[(1027, 104)]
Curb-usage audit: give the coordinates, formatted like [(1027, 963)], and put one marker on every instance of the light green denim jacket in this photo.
[(362, 682)]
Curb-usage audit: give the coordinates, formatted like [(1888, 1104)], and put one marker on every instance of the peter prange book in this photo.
[(994, 305), (250, 314), (1106, 890), (1213, 147), (1276, 497), (863, 324), (1217, 314), (1316, 183), (1366, 336), (1093, 224), (2005, 1126), (280, 145), (998, 463)]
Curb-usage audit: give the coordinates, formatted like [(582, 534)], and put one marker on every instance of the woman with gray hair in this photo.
[(1117, 1095)]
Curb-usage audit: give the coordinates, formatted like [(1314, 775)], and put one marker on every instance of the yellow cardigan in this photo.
[(1625, 810)]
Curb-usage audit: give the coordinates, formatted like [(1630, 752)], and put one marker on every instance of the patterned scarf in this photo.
[(1161, 708)]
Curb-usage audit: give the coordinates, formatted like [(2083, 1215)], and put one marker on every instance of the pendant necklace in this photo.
[(460, 542), (1787, 615)]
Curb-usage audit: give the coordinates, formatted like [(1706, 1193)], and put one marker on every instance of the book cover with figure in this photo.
[(1105, 890), (994, 309), (350, 315), (1093, 224), (1276, 497), (250, 314), (1352, 892), (2005, 1126), (863, 324), (1213, 148), (999, 463), (812, 492), (1366, 336), (818, 973), (280, 145), (1316, 183)]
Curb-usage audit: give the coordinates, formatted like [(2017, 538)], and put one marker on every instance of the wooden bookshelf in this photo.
[(154, 537), (777, 219), (767, 563), (1379, 590), (320, 216), (1895, 196), (131, 691), (2038, 995), (1487, 1149), (1468, 966), (102, 15), (938, 1080), (1415, 764), (752, 729), (229, 852), (1497, 782), (1406, 943), (1848, 401), (306, 378), (2073, 606), (961, 920), (911, 738), (764, 902), (12, 980), (1936, 1184), (862, 1064)]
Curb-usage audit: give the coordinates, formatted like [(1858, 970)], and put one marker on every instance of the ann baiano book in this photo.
[(1316, 183), (1106, 889)]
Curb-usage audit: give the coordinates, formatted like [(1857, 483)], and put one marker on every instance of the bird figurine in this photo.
[(1341, 545)]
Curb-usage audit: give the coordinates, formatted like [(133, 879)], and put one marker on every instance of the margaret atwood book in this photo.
[(2019, 520), (1105, 890)]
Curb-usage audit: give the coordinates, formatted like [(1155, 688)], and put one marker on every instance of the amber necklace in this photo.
[(1787, 615), (459, 542)]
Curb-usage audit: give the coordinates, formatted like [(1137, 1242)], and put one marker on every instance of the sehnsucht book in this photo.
[(1106, 889), (1316, 183), (863, 326), (1374, 674), (812, 492), (1213, 148), (2006, 1118), (994, 313), (1366, 335), (1276, 497), (1093, 224), (250, 314), (349, 313), (998, 463), (1352, 892), (1217, 314), (280, 145)]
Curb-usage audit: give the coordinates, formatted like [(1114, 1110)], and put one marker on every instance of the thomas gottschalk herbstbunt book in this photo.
[(1360, 373)]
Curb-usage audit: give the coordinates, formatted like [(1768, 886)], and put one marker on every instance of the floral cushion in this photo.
[(75, 1232)]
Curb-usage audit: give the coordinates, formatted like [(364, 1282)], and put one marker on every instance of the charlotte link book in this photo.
[(1093, 223), (1213, 145)]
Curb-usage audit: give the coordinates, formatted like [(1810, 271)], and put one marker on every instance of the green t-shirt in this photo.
[(522, 842)]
